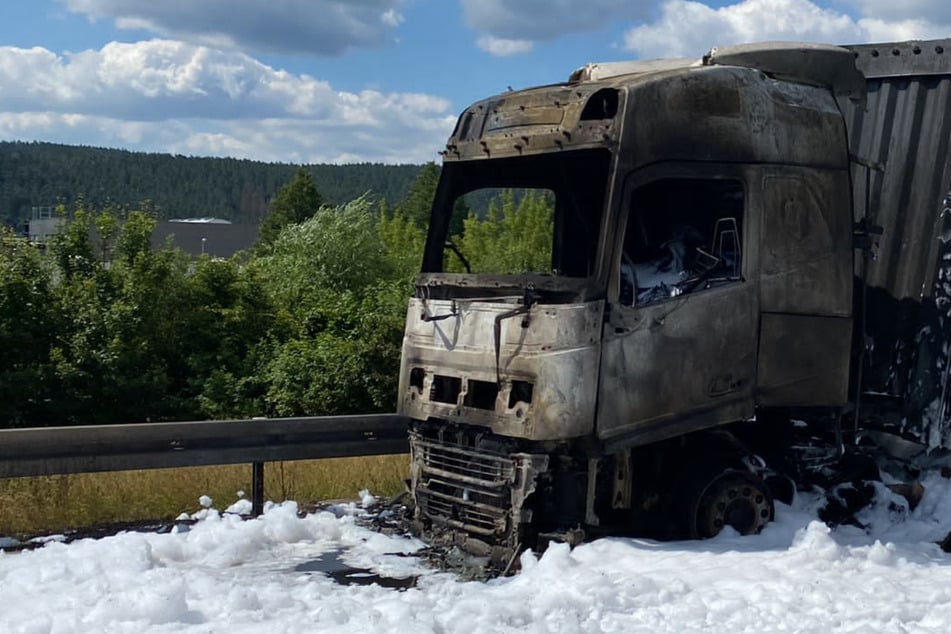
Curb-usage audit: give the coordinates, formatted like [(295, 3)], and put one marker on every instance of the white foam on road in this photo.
[(234, 576)]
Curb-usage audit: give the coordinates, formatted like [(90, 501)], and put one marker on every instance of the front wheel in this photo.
[(732, 498)]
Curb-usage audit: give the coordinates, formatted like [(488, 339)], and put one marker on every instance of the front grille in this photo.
[(469, 489), (474, 517), (475, 467)]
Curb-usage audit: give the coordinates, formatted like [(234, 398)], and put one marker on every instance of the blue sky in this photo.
[(305, 81)]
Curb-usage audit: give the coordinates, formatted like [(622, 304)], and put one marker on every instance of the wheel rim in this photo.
[(736, 499)]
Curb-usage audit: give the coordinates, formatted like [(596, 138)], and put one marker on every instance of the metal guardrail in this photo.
[(40, 451)]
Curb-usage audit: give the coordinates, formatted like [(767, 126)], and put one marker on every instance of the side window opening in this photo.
[(683, 235)]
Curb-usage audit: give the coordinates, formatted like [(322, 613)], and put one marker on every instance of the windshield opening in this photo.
[(525, 215)]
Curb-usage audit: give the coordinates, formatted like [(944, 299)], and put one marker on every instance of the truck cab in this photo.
[(701, 271)]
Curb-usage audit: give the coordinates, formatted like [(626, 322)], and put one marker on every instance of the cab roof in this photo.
[(824, 65)]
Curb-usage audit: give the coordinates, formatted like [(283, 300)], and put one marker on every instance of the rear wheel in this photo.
[(732, 498)]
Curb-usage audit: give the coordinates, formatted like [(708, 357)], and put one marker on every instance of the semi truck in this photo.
[(749, 286)]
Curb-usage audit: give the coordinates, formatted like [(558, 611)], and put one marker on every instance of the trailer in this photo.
[(749, 291)]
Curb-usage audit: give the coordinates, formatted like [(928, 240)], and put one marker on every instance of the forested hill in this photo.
[(46, 174)]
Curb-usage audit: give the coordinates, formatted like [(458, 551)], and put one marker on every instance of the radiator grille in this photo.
[(473, 466), (464, 488)]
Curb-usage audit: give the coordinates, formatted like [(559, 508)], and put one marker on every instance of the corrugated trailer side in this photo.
[(901, 140)]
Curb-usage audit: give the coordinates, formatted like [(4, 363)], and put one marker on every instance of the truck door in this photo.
[(679, 350)]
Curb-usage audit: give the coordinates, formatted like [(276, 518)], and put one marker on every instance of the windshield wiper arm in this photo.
[(452, 247)]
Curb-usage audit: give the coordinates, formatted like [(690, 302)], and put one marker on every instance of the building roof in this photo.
[(219, 240)]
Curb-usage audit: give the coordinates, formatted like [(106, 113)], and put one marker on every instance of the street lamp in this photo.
[(203, 241)]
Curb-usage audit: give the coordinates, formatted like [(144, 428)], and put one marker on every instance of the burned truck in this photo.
[(750, 273)]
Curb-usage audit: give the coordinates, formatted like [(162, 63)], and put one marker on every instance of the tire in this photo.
[(732, 498)]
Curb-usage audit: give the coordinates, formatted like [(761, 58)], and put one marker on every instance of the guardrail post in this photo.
[(257, 488)]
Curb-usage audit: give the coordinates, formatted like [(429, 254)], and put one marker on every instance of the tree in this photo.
[(72, 247), (28, 325), (341, 299), (120, 356), (514, 239), (134, 240), (402, 241), (347, 359), (337, 250), (231, 316), (418, 204), (294, 203), (148, 334)]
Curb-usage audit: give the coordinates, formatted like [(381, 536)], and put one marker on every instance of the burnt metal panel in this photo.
[(806, 246), (803, 62), (905, 130), (912, 58), (544, 364), (531, 121), (803, 360), (815, 64), (731, 114), (603, 70), (902, 141), (679, 365), (907, 354)]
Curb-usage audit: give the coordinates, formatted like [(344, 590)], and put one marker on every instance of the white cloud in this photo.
[(318, 27), (501, 47), (169, 96), (687, 28), (933, 11), (391, 18), (537, 20), (877, 30)]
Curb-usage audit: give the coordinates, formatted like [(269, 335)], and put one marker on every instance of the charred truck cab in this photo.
[(701, 276)]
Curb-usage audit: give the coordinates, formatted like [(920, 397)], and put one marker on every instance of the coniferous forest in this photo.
[(48, 174)]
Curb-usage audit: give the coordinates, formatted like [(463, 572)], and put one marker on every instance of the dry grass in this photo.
[(29, 506)]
